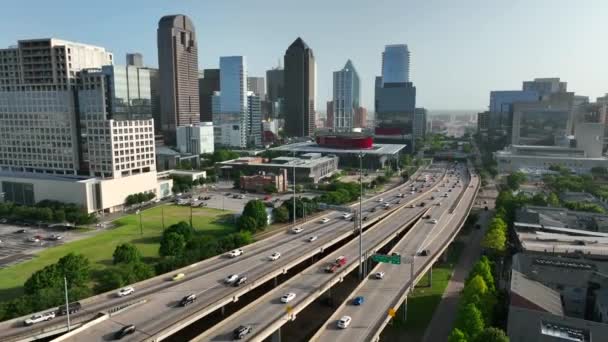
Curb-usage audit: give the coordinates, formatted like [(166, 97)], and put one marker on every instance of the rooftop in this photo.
[(377, 149), (289, 162), (536, 293)]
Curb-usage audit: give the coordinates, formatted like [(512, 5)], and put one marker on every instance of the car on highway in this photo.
[(444, 195), (189, 299), (55, 237), (346, 216), (379, 275), (331, 268), (33, 239), (124, 331), (373, 210), (235, 253), (411, 206), (438, 204), (433, 221), (125, 291), (424, 252), (358, 300), (400, 195), (242, 331), (240, 281), (231, 278), (422, 204), (364, 218), (340, 261), (344, 321), (312, 238), (40, 317), (20, 231), (296, 230), (274, 256), (288, 297), (324, 220), (71, 308), (178, 276), (380, 199), (386, 205)]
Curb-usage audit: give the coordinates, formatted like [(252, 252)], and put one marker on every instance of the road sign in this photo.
[(392, 312), (389, 259)]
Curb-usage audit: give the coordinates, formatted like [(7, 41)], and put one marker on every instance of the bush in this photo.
[(172, 244), (126, 253), (256, 210)]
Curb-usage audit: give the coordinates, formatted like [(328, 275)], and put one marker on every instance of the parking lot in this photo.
[(16, 247)]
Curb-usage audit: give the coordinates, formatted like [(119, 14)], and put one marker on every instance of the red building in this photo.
[(345, 141), (261, 182)]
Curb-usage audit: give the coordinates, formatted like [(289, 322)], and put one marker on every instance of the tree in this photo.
[(182, 228), (135, 272), (44, 278), (257, 211), (515, 179), (126, 253), (483, 268), (281, 214), (172, 244), (469, 321), (553, 200), (457, 336), (495, 239), (109, 280), (76, 268), (475, 290), (246, 223), (491, 334)]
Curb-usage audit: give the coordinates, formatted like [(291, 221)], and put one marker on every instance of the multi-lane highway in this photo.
[(268, 313), (159, 316), (380, 295)]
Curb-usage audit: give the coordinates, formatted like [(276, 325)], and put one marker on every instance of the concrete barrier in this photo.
[(82, 328)]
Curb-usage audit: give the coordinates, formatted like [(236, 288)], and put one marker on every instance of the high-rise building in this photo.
[(395, 64), (360, 117), (178, 65), (209, 83), (257, 85), (254, 115), (231, 115), (420, 115), (196, 139), (129, 91), (346, 97), (300, 90), (545, 86), (329, 115), (275, 92), (135, 59)]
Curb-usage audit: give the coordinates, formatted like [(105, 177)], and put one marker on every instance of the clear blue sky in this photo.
[(460, 49)]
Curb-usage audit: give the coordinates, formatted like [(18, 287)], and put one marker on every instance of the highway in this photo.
[(268, 313), (159, 316), (369, 319)]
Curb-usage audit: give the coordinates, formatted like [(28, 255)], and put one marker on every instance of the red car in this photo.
[(331, 268), (340, 261)]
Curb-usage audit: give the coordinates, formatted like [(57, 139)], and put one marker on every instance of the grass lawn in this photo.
[(99, 247), (424, 300)]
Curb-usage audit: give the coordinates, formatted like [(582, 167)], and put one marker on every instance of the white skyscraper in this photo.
[(395, 64), (346, 97)]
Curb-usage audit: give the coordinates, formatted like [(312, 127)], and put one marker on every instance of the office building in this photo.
[(346, 94), (275, 91), (483, 122), (419, 130), (360, 117), (395, 64), (300, 90), (178, 66), (254, 116), (329, 115), (257, 86), (135, 59), (545, 86), (543, 123), (130, 91), (501, 109), (209, 83), (395, 104), (195, 139)]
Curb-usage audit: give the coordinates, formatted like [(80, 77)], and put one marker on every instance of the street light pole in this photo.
[(294, 189), (67, 305), (162, 213), (361, 215), (141, 229)]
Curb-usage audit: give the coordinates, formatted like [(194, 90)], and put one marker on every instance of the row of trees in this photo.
[(46, 211), (139, 198), (185, 184)]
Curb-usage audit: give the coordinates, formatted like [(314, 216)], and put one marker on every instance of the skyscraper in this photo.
[(230, 115), (254, 116), (395, 64), (346, 97), (209, 83), (256, 85), (329, 115), (275, 91), (300, 89), (360, 117), (178, 64), (135, 59)]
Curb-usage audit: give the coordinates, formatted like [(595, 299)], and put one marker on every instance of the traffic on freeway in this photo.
[(254, 266), (268, 313), (422, 245)]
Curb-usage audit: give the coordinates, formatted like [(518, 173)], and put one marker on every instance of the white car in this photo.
[(33, 239), (344, 322), (312, 238), (379, 275), (386, 205), (288, 297), (235, 253), (433, 221), (231, 278), (125, 291), (346, 216), (56, 237), (380, 199), (324, 220), (41, 317), (274, 256), (297, 230)]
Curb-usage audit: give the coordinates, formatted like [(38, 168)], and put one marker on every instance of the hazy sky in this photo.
[(460, 50)]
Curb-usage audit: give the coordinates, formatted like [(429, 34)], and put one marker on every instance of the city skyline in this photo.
[(445, 50)]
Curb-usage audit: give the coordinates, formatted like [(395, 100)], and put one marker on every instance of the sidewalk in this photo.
[(441, 325)]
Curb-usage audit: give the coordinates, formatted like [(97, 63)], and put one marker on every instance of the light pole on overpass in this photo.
[(294, 189), (360, 215)]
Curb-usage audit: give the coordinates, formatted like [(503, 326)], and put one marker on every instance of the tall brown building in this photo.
[(360, 120), (178, 64), (300, 90), (329, 121)]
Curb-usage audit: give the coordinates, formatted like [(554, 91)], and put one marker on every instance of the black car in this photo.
[(240, 281), (189, 299), (364, 218), (424, 252), (126, 330), (422, 204), (20, 231), (373, 210), (72, 308), (242, 331)]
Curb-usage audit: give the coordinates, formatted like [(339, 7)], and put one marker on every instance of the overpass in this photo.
[(267, 314), (154, 313)]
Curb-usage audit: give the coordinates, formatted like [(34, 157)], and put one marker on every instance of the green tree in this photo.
[(457, 336), (475, 290), (247, 223), (495, 239), (126, 253), (483, 268), (281, 214), (470, 321), (172, 244), (76, 268), (491, 334), (109, 280), (182, 228), (553, 200), (257, 211), (135, 271), (44, 278)]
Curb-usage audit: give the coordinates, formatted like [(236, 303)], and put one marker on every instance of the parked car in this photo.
[(189, 299), (296, 230), (235, 253), (344, 321), (125, 291), (379, 275), (288, 297), (242, 331), (178, 276), (231, 278), (358, 300), (124, 331), (40, 317), (274, 256)]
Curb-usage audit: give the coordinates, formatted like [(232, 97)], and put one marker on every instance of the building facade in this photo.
[(360, 118), (300, 90), (257, 86), (209, 83), (178, 66), (196, 139), (263, 182), (420, 115), (346, 95), (254, 116), (275, 91), (395, 64)]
